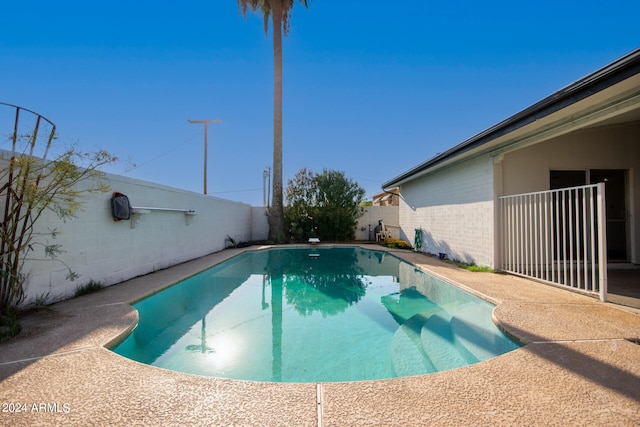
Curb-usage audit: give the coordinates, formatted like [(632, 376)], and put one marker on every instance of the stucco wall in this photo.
[(611, 147), (454, 209), (98, 248)]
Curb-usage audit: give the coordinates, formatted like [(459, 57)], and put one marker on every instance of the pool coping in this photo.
[(578, 366)]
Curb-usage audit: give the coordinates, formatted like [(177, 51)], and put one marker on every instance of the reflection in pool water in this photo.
[(343, 314)]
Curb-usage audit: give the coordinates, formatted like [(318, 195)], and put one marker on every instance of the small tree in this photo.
[(339, 200), (301, 208), (32, 180), (326, 205)]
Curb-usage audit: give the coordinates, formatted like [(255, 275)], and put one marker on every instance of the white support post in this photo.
[(602, 241)]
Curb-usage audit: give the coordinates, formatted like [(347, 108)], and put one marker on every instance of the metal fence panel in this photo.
[(557, 236)]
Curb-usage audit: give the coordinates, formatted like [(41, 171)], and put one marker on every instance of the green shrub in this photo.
[(88, 288), (324, 205), (473, 267), (390, 242), (9, 326), (479, 268), (41, 301)]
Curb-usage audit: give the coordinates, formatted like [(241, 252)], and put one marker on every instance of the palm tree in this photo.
[(279, 11)]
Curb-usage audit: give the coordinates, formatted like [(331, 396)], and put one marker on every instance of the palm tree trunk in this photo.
[(276, 214)]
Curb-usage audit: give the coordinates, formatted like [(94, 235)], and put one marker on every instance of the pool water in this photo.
[(313, 315)]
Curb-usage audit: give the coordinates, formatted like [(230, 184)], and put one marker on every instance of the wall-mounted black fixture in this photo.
[(120, 207)]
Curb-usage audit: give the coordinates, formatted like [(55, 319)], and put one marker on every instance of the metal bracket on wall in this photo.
[(138, 211)]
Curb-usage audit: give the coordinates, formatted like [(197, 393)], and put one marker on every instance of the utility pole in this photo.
[(205, 122), (266, 187)]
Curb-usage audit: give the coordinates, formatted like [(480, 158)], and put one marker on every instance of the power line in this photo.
[(236, 191), (138, 166)]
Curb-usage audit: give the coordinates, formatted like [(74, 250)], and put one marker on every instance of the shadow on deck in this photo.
[(624, 284)]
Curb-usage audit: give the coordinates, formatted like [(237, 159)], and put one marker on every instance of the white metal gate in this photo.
[(557, 236)]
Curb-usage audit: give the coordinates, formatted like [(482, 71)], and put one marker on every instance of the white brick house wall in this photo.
[(454, 209)]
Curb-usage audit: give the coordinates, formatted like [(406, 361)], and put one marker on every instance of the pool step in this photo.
[(406, 304), (438, 339), (473, 328), (439, 343), (407, 352)]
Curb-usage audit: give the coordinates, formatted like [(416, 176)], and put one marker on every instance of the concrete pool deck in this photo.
[(578, 367)]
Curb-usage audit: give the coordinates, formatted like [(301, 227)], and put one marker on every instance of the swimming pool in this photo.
[(313, 315)]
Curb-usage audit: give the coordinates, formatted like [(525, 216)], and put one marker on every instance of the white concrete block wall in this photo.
[(259, 224), (98, 248), (388, 214), (454, 209)]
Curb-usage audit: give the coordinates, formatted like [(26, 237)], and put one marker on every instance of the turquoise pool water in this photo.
[(313, 315)]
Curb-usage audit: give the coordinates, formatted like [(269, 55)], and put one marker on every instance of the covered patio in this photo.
[(550, 193)]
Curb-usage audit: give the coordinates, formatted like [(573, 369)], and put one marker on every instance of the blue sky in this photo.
[(369, 89)]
